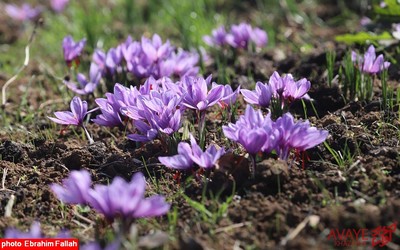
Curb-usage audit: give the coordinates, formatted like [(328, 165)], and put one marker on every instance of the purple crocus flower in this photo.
[(74, 189), (296, 135), (370, 63), (260, 96), (259, 37), (23, 13), (239, 35), (229, 97), (58, 5), (287, 89), (146, 133), (109, 116), (182, 160), (33, 233), (253, 131), (73, 117), (126, 199), (72, 50), (86, 86), (190, 154), (197, 95), (218, 37)]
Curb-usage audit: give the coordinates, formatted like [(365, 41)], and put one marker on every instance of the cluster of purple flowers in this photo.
[(369, 63), (259, 133), (240, 36), (27, 12), (284, 89), (119, 199), (143, 59), (188, 155), (157, 106)]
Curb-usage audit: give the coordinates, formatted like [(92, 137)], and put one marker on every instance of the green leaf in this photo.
[(363, 37), (392, 9)]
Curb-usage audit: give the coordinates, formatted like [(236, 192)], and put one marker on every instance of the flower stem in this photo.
[(202, 128), (253, 166), (91, 141)]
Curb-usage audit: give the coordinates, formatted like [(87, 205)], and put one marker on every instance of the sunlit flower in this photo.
[(72, 50), (23, 12), (370, 63), (74, 189), (73, 117)]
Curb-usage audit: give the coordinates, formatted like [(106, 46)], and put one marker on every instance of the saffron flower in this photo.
[(197, 95), (218, 37), (181, 161), (370, 63), (287, 88), (72, 50), (296, 135), (73, 117), (253, 131), (22, 13), (126, 199), (74, 189), (190, 154), (84, 85), (58, 5), (33, 233), (260, 96), (229, 97)]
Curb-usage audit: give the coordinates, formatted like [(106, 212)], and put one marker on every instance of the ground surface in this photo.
[(361, 190)]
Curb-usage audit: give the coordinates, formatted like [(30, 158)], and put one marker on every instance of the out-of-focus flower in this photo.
[(73, 117), (115, 245), (296, 135), (72, 50), (85, 86), (74, 189), (58, 5), (33, 233), (260, 96), (22, 13), (218, 37), (396, 30), (259, 37), (126, 199), (240, 35), (370, 63), (197, 95), (365, 21)]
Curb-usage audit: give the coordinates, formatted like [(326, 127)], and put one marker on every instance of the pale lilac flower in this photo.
[(72, 50), (73, 117), (182, 160), (33, 233), (229, 97), (86, 86), (74, 189), (370, 63), (22, 13), (197, 95), (286, 88), (146, 133), (296, 135), (253, 131), (109, 113), (239, 36), (190, 154), (218, 37), (154, 49), (259, 37), (58, 5), (260, 96), (126, 199)]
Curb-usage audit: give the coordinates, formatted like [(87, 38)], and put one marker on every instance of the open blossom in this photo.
[(253, 131), (229, 97), (74, 189), (287, 88), (79, 109), (218, 37), (260, 96), (296, 135), (71, 49), (190, 154), (22, 13), (197, 95), (369, 63), (126, 199)]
